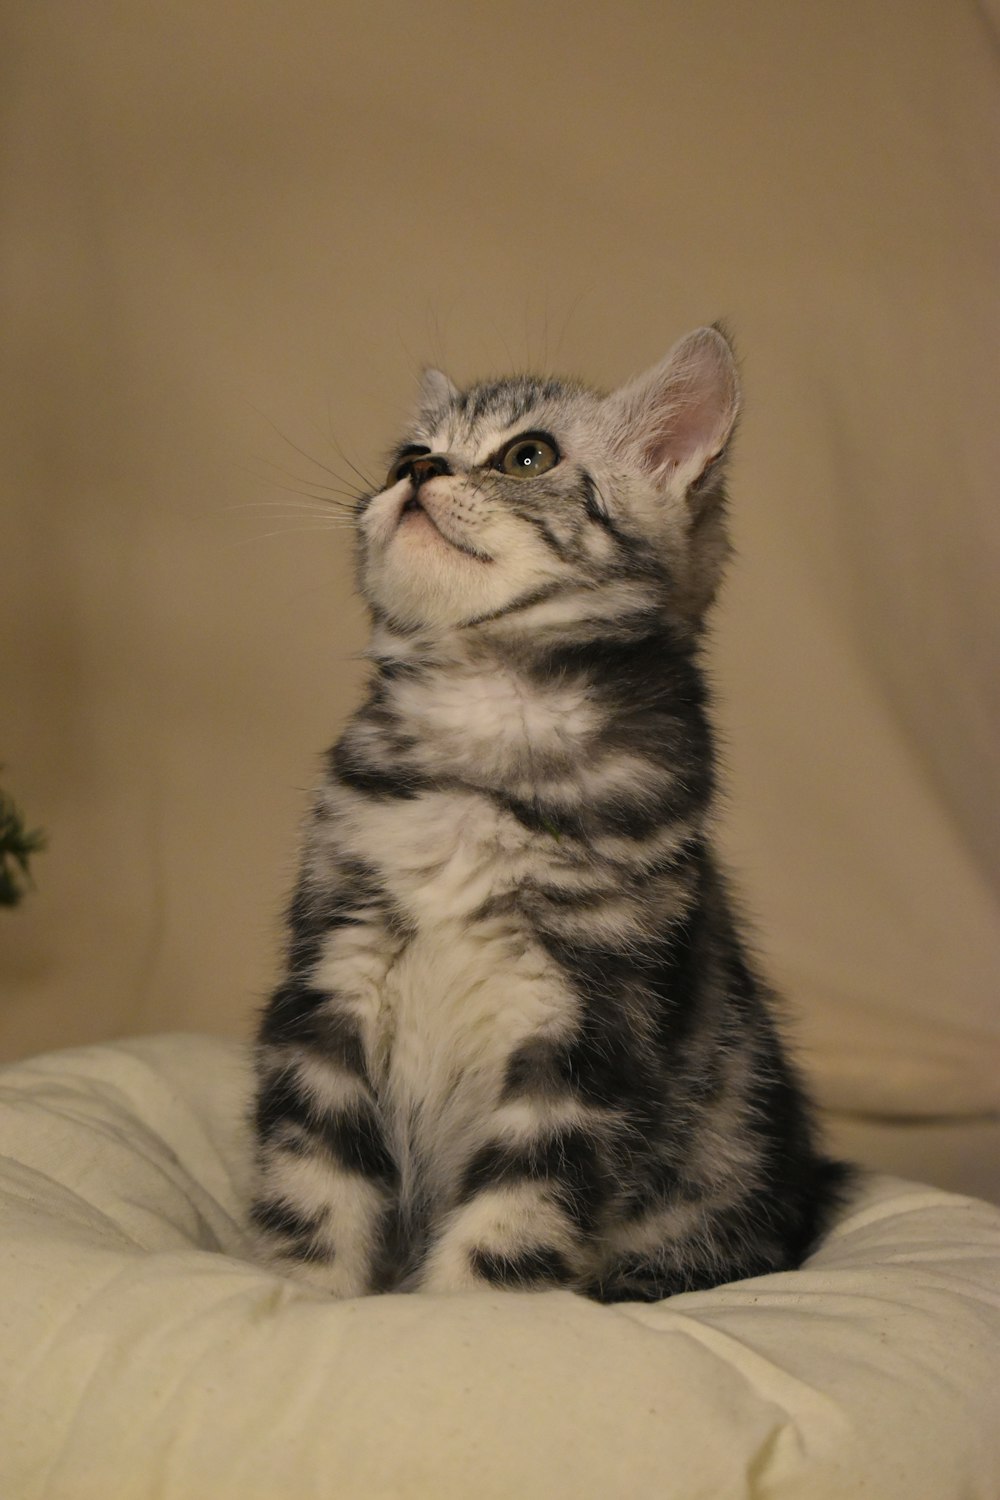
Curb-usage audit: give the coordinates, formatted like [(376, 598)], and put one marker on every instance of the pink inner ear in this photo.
[(690, 429), (681, 413)]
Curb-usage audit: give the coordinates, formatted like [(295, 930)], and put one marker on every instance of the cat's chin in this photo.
[(421, 588), (419, 527), (431, 578), (416, 591)]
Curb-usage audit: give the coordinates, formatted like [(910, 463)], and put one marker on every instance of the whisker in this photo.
[(339, 501), (352, 491), (287, 531), (368, 483), (308, 456), (321, 506), (321, 512), (477, 488), (574, 305), (511, 361), (545, 334)]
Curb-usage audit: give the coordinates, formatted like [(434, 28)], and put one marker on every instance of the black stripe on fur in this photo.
[(529, 1268)]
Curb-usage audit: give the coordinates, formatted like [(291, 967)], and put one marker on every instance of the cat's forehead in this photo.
[(477, 417)]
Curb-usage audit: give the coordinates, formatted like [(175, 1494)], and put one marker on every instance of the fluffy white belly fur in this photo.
[(442, 1009), (454, 1007)]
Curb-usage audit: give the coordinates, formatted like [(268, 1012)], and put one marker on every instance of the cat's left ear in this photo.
[(678, 417), (436, 390)]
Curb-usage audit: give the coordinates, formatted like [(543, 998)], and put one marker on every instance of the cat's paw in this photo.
[(532, 1269), (635, 1281)]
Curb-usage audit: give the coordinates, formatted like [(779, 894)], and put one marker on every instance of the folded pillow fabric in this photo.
[(143, 1354)]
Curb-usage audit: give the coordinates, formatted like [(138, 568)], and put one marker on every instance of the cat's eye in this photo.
[(400, 468), (526, 456)]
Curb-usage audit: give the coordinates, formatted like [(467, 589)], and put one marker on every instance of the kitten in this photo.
[(520, 1041)]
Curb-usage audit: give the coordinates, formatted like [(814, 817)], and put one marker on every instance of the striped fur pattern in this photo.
[(519, 1041)]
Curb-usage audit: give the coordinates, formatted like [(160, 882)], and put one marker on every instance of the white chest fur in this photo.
[(442, 1009), (495, 720)]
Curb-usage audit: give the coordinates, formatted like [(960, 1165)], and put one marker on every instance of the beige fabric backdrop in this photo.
[(231, 235)]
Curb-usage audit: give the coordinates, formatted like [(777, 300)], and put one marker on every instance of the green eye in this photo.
[(527, 456)]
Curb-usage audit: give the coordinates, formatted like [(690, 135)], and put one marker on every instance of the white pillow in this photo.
[(143, 1356)]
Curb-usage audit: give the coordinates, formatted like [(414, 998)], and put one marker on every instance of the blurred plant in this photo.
[(17, 845)]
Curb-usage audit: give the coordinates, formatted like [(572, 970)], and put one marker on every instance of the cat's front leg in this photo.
[(526, 1205), (327, 1181)]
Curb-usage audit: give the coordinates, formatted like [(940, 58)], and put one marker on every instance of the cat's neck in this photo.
[(516, 713), (594, 649)]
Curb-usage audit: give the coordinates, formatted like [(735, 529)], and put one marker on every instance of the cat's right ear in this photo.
[(436, 390), (678, 417)]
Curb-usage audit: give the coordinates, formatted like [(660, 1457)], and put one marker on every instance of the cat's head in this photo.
[(538, 506)]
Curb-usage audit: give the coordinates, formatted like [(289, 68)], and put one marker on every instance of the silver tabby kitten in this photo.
[(519, 1041)]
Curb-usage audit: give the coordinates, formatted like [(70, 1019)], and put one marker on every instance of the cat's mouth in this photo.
[(414, 507)]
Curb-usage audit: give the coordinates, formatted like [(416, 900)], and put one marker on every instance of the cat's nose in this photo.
[(427, 466)]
